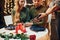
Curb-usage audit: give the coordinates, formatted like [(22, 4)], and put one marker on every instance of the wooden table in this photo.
[(42, 35)]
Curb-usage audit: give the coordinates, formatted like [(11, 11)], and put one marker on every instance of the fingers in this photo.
[(35, 20), (42, 15)]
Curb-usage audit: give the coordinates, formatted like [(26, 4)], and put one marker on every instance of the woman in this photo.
[(20, 12)]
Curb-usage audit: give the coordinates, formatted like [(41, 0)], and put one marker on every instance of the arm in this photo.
[(49, 11), (27, 14)]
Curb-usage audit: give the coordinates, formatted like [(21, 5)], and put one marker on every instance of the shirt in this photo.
[(54, 2), (34, 13), (57, 12), (24, 15)]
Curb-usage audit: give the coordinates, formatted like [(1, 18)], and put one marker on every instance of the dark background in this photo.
[(2, 23)]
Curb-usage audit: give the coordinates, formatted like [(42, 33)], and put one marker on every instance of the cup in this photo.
[(32, 37)]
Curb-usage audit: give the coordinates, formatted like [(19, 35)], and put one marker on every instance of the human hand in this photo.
[(27, 24), (42, 15)]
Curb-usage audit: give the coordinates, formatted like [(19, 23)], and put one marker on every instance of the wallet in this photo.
[(37, 28)]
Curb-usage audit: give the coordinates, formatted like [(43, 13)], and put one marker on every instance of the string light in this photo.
[(8, 6)]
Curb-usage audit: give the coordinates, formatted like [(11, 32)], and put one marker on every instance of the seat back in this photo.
[(8, 20)]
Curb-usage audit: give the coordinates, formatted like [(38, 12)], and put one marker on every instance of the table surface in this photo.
[(38, 34), (29, 32)]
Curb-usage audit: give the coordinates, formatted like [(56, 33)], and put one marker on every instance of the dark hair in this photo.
[(18, 2)]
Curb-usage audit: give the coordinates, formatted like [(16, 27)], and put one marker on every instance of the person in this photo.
[(53, 7), (39, 6), (20, 13), (26, 15)]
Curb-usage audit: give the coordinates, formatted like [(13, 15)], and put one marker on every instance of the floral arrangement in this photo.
[(21, 36)]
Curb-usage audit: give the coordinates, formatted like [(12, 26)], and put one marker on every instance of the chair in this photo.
[(8, 20)]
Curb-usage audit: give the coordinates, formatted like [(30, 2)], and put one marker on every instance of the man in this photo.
[(54, 7), (38, 6)]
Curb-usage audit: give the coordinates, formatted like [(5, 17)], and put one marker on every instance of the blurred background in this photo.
[(6, 7)]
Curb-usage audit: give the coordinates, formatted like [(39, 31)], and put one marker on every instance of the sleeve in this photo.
[(51, 4), (28, 17), (57, 2), (32, 13), (38, 23)]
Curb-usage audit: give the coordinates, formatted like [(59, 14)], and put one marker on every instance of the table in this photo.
[(42, 35)]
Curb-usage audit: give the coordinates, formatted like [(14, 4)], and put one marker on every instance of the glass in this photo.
[(32, 37)]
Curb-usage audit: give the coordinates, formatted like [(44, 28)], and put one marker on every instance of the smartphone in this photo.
[(38, 16)]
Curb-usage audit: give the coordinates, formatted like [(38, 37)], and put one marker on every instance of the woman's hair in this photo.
[(16, 3), (17, 6), (17, 9)]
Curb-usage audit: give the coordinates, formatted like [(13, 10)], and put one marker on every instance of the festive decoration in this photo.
[(20, 27), (21, 36)]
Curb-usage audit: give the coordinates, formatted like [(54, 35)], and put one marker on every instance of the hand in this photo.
[(35, 20), (42, 15), (27, 24)]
